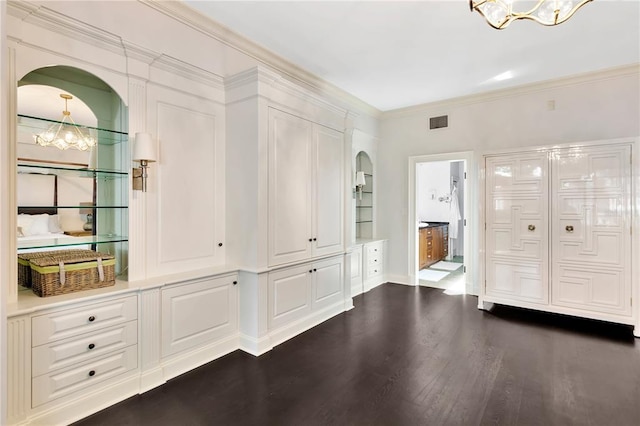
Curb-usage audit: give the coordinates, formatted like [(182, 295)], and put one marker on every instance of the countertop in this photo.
[(422, 225)]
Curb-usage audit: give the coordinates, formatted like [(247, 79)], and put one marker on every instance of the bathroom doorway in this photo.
[(440, 218)]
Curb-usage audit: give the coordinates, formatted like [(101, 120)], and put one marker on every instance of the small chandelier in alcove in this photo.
[(500, 13), (66, 133)]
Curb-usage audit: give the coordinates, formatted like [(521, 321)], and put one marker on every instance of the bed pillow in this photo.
[(34, 224), (54, 225)]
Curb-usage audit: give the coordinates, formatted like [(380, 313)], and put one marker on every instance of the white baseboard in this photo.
[(289, 331), (400, 279), (151, 379), (253, 346), (182, 363)]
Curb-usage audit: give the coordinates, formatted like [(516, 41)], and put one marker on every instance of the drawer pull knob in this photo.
[(375, 249), (235, 282), (311, 271), (314, 269), (219, 244), (91, 346), (92, 373), (315, 239), (310, 239), (92, 318), (531, 227), (569, 228)]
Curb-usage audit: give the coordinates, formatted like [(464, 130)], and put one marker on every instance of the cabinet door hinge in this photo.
[(485, 226), (464, 222), (464, 269), (465, 175)]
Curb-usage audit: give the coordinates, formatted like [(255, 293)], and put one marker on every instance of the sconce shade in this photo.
[(360, 181), (144, 148), (86, 208)]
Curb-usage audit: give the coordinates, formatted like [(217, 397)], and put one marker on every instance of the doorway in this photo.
[(439, 233)]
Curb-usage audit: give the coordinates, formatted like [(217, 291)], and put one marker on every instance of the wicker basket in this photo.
[(82, 272), (24, 266)]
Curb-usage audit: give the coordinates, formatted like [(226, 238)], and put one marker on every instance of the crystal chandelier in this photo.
[(66, 133), (499, 13)]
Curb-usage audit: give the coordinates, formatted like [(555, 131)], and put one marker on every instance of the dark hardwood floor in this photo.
[(412, 356)]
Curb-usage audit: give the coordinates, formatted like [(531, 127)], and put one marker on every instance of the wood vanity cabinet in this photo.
[(434, 244)]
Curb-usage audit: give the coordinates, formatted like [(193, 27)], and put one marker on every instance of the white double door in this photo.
[(306, 180), (567, 208)]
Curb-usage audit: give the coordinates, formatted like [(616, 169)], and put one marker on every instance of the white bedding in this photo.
[(48, 240)]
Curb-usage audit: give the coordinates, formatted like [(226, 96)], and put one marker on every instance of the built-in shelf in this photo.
[(68, 241), (35, 125), (60, 170), (364, 221), (364, 207), (70, 207)]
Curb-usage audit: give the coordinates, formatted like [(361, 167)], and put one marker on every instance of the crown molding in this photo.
[(51, 20), (577, 79), (186, 70), (194, 19), (263, 75)]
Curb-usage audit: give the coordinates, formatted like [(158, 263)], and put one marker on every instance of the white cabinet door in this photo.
[(328, 223), (327, 283), (290, 197), (198, 313), (591, 228), (517, 227), (289, 295)]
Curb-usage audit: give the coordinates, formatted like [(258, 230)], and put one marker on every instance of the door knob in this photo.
[(569, 228), (531, 227)]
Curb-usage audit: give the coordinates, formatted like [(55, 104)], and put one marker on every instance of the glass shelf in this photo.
[(60, 170), (68, 241), (364, 207), (364, 221), (37, 125)]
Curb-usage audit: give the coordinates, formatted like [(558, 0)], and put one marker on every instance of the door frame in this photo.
[(470, 251)]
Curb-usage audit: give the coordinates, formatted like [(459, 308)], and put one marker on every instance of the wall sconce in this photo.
[(87, 208), (360, 183), (144, 151)]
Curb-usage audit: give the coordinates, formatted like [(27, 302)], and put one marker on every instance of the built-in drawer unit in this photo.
[(63, 382), (374, 261), (74, 349), (67, 323)]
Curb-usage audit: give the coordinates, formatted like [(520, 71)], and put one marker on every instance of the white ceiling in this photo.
[(394, 54)]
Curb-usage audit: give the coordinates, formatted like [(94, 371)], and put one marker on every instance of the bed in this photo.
[(39, 226)]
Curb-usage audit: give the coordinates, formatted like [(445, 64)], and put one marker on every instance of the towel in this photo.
[(454, 214)]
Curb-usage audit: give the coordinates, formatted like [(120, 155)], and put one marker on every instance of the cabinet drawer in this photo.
[(49, 387), (376, 259), (374, 248), (374, 270), (72, 351), (72, 322)]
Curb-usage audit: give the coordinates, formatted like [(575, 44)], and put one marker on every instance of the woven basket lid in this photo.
[(85, 256)]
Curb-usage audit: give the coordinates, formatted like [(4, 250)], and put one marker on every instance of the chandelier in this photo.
[(499, 13), (66, 133)]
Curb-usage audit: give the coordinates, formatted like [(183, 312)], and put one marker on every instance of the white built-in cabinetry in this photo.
[(558, 231), (306, 180), (286, 154)]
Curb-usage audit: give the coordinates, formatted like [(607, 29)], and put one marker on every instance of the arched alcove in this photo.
[(82, 190), (364, 197)]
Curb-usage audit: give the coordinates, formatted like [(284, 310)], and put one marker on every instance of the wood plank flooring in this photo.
[(412, 356)]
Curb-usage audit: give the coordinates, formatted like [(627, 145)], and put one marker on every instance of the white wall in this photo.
[(433, 183), (599, 106)]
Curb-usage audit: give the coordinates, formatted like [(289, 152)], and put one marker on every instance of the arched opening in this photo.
[(71, 194)]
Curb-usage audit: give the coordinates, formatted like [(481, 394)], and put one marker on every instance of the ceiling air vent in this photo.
[(439, 122)]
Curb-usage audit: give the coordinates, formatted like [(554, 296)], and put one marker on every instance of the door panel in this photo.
[(591, 227), (328, 191), (517, 227), (328, 283), (290, 143), (289, 295)]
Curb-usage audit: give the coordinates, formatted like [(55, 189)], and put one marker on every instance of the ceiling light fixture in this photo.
[(66, 133), (499, 13)]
